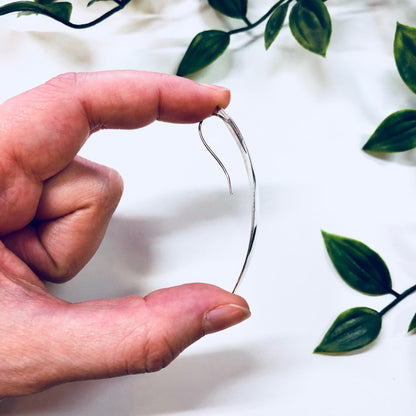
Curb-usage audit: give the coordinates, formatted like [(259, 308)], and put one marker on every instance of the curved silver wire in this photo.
[(236, 133)]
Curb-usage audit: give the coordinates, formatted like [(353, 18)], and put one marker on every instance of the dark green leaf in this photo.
[(405, 54), (61, 10), (231, 8), (42, 2), (204, 49), (310, 24), (353, 329), (358, 265), (412, 325), (396, 133), (274, 24), (45, 2)]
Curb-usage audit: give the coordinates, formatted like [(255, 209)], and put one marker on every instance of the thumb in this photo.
[(107, 338)]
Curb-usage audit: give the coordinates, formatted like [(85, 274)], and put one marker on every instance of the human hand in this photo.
[(54, 209)]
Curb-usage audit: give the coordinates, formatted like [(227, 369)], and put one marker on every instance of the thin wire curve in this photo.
[(236, 133)]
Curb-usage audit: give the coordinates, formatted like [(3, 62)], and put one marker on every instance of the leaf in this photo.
[(358, 265), (205, 48), (353, 329), (61, 10), (274, 24), (405, 54), (231, 8), (44, 2), (412, 325), (310, 24), (396, 133)]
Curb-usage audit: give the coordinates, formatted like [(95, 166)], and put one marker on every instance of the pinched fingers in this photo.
[(41, 133), (74, 210), (43, 129)]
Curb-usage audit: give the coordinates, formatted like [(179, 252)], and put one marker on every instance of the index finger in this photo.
[(43, 129)]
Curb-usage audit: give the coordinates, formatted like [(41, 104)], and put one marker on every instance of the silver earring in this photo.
[(236, 133)]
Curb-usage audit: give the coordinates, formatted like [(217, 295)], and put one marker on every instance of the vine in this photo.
[(364, 270), (309, 22), (59, 10), (358, 265), (397, 132)]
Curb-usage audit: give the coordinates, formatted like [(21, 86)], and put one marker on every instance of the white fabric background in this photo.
[(305, 119)]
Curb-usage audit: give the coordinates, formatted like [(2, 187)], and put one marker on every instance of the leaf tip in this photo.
[(318, 350), (322, 53), (326, 235), (367, 146), (412, 325)]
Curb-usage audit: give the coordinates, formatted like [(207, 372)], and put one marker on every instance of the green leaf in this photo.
[(412, 325), (310, 24), (42, 2), (61, 10), (405, 54), (358, 265), (396, 133), (353, 329), (274, 24), (45, 2), (205, 48), (231, 8)]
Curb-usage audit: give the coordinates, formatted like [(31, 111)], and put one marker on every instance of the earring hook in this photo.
[(236, 133)]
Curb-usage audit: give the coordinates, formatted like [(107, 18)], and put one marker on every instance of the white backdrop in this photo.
[(305, 120)]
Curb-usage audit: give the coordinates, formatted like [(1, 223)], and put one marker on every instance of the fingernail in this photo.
[(215, 87), (224, 316)]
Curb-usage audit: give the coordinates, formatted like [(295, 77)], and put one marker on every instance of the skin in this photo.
[(54, 210)]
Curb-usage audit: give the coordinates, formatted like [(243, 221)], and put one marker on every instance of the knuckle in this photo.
[(148, 348), (102, 186), (64, 82), (115, 183), (158, 355), (110, 187), (152, 356)]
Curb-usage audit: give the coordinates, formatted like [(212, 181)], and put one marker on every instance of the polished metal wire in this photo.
[(236, 133)]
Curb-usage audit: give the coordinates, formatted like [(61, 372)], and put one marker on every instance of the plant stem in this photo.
[(394, 293), (398, 299), (99, 19), (246, 21), (258, 22)]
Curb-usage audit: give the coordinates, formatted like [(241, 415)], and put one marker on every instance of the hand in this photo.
[(54, 209)]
